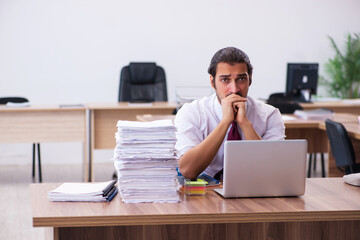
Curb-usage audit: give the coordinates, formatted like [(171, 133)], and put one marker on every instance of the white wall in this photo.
[(71, 51)]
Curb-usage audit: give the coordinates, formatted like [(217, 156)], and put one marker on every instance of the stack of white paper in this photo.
[(89, 192), (145, 160), (315, 114)]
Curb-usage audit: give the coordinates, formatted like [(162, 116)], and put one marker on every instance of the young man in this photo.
[(204, 124)]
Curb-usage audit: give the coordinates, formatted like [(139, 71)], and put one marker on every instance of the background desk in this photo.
[(315, 132), (104, 117), (336, 106), (330, 209), (44, 123)]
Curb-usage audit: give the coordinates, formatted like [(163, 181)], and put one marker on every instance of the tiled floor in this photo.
[(15, 206)]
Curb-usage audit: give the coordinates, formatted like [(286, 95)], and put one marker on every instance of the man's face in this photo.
[(231, 78)]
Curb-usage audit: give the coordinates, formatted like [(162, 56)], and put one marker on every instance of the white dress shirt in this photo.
[(196, 120)]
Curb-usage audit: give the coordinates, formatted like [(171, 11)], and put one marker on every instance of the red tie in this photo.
[(234, 132)]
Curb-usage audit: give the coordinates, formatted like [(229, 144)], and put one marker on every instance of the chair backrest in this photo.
[(283, 97), (341, 146), (286, 107), (142, 82), (5, 100)]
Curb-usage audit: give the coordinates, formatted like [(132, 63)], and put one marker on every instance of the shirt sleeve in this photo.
[(188, 125), (275, 128)]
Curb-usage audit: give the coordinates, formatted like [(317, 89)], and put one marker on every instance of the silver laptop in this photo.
[(264, 168)]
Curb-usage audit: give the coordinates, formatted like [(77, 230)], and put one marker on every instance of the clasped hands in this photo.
[(233, 108)]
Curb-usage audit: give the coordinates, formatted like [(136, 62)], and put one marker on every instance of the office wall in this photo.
[(71, 51)]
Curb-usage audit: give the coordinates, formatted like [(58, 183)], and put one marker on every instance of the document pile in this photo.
[(316, 114), (145, 160), (84, 192)]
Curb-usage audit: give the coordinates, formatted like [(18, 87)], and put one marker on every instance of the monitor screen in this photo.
[(301, 76)]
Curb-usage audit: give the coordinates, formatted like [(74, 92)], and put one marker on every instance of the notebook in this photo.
[(264, 168)]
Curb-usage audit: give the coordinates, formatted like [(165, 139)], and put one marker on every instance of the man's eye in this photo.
[(224, 79)]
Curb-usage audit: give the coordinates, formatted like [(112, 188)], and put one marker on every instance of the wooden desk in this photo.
[(44, 123), (330, 209), (297, 128), (103, 119), (336, 106)]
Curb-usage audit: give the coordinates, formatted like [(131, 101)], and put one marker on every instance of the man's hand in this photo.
[(233, 107), (240, 116), (244, 123)]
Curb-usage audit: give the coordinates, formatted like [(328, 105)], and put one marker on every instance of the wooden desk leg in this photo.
[(87, 163), (91, 143)]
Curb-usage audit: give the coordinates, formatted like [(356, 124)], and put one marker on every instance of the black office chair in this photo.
[(142, 82), (287, 105), (286, 97), (284, 103), (5, 100), (341, 147)]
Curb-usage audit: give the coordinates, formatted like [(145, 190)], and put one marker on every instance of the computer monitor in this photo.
[(301, 80)]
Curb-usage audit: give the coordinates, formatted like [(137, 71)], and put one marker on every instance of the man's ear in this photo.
[(250, 79), (212, 81)]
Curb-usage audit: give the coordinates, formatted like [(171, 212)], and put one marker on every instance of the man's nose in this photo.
[(233, 87)]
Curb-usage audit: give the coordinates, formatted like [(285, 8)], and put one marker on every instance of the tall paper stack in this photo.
[(145, 160)]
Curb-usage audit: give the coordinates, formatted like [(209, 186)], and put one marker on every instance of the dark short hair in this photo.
[(229, 55)]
